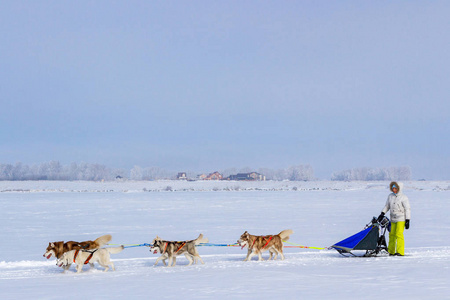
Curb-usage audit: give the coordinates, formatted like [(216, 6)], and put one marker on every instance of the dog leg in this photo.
[(79, 268), (248, 255), (174, 261), (159, 258), (170, 261), (260, 256), (199, 258), (104, 266), (65, 268), (91, 265), (110, 263), (194, 256), (189, 258), (275, 252)]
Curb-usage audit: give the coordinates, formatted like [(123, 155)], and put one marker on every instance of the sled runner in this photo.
[(371, 239)]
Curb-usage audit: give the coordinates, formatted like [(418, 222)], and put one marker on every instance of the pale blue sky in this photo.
[(208, 85)]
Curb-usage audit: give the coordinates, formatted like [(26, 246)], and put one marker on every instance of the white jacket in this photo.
[(398, 204)]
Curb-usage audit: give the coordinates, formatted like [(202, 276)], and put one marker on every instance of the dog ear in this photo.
[(51, 244)]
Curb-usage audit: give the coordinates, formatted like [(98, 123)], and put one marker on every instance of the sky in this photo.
[(210, 85)]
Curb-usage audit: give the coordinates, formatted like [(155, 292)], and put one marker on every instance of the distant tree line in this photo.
[(54, 170), (372, 174), (151, 173)]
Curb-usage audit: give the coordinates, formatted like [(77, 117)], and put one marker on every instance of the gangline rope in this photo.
[(292, 245)]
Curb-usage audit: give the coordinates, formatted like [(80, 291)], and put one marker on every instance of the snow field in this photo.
[(320, 213)]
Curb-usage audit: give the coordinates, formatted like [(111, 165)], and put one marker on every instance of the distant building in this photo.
[(201, 177), (252, 176), (182, 176), (214, 176)]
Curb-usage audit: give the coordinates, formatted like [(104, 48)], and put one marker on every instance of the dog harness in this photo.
[(265, 238), (87, 259), (267, 242), (180, 247), (167, 243), (165, 247)]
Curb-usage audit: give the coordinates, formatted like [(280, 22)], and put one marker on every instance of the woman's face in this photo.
[(395, 190)]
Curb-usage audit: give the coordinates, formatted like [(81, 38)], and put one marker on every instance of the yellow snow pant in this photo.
[(396, 239)]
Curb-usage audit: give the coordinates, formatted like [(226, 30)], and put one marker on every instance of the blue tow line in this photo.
[(218, 245), (203, 244), (140, 245), (132, 245)]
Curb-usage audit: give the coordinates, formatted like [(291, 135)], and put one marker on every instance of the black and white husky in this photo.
[(170, 250), (83, 257)]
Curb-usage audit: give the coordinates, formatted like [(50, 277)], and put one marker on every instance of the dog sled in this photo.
[(371, 239)]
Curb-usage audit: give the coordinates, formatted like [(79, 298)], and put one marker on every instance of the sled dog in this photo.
[(57, 249), (258, 244), (170, 250), (83, 257)]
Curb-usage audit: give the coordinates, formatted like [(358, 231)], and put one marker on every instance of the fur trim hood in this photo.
[(399, 186)]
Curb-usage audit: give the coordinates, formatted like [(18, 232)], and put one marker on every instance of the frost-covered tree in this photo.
[(227, 172), (300, 173), (136, 173), (373, 174), (155, 173), (54, 170), (6, 172)]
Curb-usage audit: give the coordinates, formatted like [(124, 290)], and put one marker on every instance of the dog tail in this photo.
[(201, 239), (103, 240), (284, 235), (115, 250)]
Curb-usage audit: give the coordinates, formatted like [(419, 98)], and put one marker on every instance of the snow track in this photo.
[(145, 265)]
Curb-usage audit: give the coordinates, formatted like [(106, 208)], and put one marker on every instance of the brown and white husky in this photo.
[(170, 250), (57, 249), (83, 257), (258, 244)]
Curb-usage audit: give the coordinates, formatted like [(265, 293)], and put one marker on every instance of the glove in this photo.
[(407, 224), (380, 217)]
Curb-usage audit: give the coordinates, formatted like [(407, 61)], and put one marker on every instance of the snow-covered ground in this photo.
[(321, 213)]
